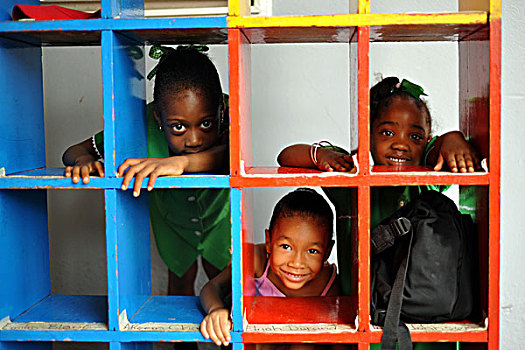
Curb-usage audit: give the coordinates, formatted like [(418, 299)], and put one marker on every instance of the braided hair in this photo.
[(186, 69), (304, 202), (386, 91)]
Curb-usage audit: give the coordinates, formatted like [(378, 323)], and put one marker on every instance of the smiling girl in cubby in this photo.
[(186, 133), (292, 262), (400, 136)]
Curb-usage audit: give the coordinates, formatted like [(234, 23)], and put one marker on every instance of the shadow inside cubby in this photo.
[(54, 260), (334, 312), (467, 251), (80, 346)]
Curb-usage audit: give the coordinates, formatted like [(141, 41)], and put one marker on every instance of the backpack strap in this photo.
[(394, 329), (384, 236)]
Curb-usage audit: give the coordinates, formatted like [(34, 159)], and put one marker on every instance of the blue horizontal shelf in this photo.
[(211, 30), (67, 308), (169, 309), (48, 178), (79, 318)]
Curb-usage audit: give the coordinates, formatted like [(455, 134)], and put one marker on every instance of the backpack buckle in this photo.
[(400, 226)]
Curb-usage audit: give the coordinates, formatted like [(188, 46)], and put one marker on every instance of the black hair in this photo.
[(186, 69), (385, 92), (304, 202)]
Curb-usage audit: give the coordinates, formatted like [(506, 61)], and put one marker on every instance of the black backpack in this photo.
[(423, 267)]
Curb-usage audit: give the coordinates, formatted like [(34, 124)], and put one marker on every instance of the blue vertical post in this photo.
[(124, 94), (128, 251), (236, 260), (110, 198)]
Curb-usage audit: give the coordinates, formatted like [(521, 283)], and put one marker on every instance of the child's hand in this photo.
[(141, 168), (458, 154), (217, 326), (329, 160), (84, 166)]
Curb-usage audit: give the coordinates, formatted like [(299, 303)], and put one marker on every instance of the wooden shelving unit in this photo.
[(130, 317)]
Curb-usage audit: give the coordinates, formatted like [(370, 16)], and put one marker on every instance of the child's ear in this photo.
[(268, 241), (156, 115), (429, 138), (329, 249)]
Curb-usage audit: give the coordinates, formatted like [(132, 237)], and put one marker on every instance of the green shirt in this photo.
[(186, 222)]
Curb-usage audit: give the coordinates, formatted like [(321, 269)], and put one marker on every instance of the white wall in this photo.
[(512, 303), (300, 94)]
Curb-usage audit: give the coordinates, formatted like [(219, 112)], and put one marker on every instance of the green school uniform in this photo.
[(383, 202), (186, 222)]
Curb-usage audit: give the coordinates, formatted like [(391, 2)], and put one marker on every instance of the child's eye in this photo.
[(386, 133), (313, 251), (177, 128), (207, 124), (285, 246), (416, 137)]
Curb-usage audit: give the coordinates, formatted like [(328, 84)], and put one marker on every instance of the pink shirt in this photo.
[(265, 288)]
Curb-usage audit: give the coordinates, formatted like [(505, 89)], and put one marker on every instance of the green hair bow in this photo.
[(160, 52), (413, 89)]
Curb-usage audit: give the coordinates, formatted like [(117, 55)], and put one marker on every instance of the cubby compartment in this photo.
[(272, 319), (41, 309), (49, 288), (39, 131), (143, 310), (272, 114), (471, 200), (456, 101)]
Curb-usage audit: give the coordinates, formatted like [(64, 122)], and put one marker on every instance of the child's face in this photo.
[(399, 134), (297, 250), (189, 122)]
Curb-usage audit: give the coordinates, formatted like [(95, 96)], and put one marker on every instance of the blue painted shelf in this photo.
[(209, 30), (53, 178)]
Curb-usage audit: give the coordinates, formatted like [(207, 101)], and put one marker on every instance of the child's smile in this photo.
[(190, 123), (399, 135), (297, 251)]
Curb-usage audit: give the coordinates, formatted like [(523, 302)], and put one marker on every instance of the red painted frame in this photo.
[(244, 175)]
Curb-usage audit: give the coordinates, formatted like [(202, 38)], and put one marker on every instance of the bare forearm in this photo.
[(214, 292), (211, 298), (213, 159), (296, 156), (83, 149)]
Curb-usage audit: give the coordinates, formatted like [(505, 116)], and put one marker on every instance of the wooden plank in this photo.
[(363, 283), (240, 101), (494, 189), (357, 20)]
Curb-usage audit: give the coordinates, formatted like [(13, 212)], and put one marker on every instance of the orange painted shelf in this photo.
[(380, 176)]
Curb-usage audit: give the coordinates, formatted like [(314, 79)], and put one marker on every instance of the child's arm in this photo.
[(217, 324), (452, 150), (298, 156), (140, 168), (81, 161)]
